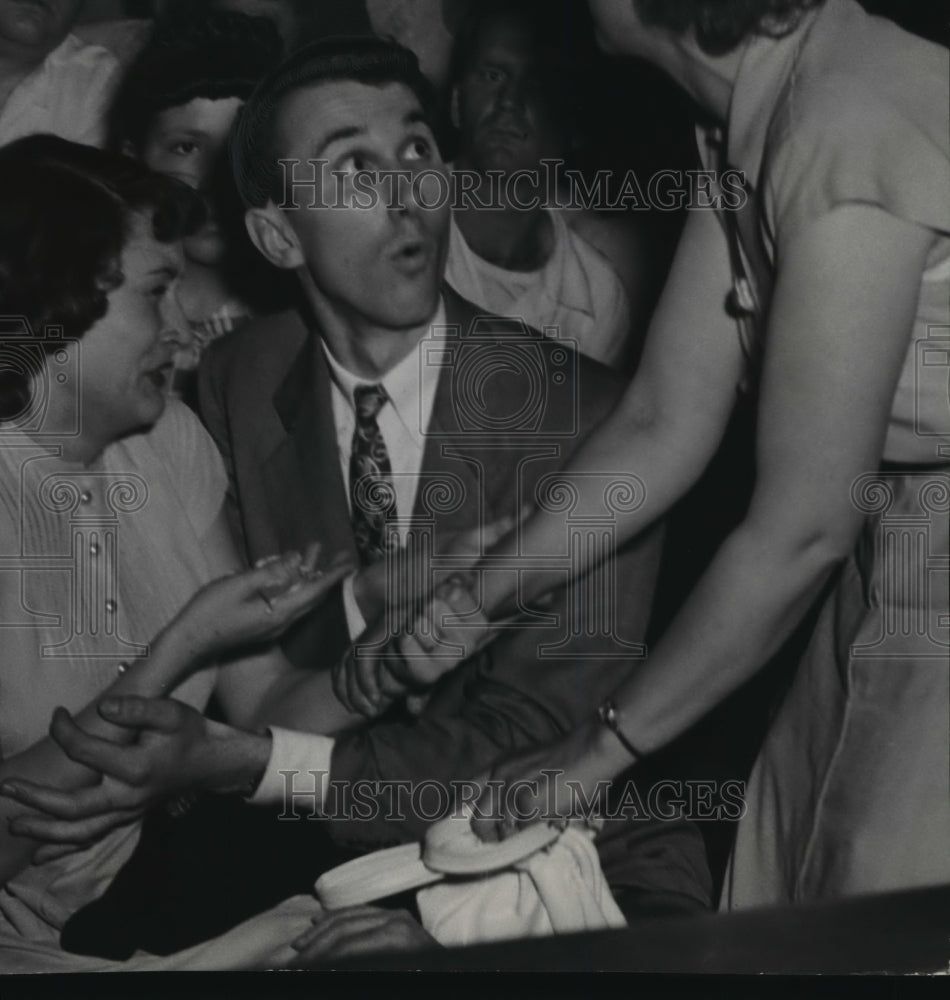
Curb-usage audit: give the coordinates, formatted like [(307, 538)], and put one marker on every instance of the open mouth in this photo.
[(411, 255), (160, 375)]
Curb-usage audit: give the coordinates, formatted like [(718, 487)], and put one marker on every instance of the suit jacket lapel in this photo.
[(305, 467), (445, 445)]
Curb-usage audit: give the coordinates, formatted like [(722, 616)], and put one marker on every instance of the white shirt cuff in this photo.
[(355, 622), (298, 771)]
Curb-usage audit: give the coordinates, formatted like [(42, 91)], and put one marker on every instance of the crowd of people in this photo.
[(343, 420)]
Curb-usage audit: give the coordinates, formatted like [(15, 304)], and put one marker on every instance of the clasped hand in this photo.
[(176, 748), (417, 637)]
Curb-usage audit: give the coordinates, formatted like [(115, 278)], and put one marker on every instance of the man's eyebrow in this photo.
[(416, 117), (347, 132), (185, 129)]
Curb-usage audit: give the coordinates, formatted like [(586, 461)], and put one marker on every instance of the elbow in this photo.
[(810, 552)]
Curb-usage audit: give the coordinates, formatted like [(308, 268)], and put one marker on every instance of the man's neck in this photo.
[(363, 348), (513, 237)]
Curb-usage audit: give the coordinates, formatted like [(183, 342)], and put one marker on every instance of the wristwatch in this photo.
[(607, 713)]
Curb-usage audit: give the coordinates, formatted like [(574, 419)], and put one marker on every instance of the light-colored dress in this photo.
[(851, 791), (94, 561), (577, 295)]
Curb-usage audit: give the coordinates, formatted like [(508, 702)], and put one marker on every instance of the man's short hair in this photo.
[(363, 59)]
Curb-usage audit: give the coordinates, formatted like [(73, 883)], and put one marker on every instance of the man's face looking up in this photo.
[(372, 248)]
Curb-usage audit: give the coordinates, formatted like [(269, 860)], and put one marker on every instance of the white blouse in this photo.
[(94, 561)]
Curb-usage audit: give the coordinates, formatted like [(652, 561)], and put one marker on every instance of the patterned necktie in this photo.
[(372, 497)]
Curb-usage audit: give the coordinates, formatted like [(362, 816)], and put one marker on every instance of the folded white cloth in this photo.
[(559, 889), (539, 882)]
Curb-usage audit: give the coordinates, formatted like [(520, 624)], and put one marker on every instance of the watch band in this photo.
[(607, 713)]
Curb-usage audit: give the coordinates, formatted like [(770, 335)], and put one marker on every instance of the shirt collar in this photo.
[(410, 385)]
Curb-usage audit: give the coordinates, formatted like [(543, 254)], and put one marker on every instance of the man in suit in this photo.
[(475, 413), (392, 419)]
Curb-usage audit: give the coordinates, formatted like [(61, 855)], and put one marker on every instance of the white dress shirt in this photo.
[(403, 422)]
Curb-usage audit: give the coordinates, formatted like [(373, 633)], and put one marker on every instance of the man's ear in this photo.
[(273, 235), (126, 148), (454, 115)]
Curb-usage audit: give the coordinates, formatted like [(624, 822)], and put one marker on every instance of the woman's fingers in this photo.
[(298, 595), (77, 832), (52, 852), (361, 930), (165, 715), (363, 691), (79, 804)]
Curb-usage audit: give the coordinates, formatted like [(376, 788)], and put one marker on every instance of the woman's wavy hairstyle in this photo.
[(64, 220), (720, 25)]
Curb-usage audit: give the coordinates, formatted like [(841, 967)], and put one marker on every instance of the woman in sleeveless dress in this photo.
[(821, 281)]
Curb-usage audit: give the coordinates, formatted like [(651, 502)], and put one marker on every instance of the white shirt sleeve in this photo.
[(355, 622), (298, 771)]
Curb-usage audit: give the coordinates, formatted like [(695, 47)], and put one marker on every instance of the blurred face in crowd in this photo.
[(372, 254), (188, 142), (500, 107), (125, 357), (36, 26), (283, 13)]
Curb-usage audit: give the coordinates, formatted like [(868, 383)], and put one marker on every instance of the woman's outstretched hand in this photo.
[(557, 782), (256, 606)]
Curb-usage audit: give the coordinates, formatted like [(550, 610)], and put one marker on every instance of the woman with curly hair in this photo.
[(826, 292), (111, 517)]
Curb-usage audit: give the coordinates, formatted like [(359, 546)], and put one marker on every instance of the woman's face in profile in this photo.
[(125, 358)]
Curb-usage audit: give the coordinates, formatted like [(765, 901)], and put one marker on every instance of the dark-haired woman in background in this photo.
[(173, 110), (110, 508), (839, 265)]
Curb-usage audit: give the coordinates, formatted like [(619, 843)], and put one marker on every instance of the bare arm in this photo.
[(671, 419), (230, 611), (262, 688), (838, 333), (45, 762)]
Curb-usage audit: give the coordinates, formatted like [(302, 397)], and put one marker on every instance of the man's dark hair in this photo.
[(366, 60), (215, 55), (64, 221), (720, 25)]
